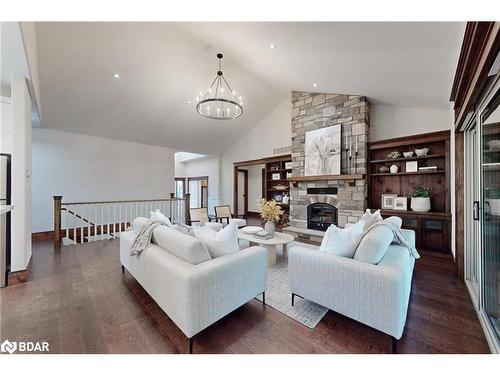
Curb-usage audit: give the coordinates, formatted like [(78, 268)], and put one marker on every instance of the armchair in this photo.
[(224, 213)]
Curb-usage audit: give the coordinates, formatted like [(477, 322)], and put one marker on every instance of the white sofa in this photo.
[(194, 296), (376, 295)]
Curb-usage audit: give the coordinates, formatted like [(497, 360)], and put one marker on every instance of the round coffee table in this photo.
[(270, 244)]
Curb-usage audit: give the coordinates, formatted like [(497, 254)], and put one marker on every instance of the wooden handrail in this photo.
[(78, 216), (59, 206), (126, 201)]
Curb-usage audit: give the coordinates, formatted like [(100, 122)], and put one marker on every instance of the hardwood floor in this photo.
[(79, 301)]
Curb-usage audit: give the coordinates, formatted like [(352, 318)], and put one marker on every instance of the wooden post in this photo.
[(57, 221), (186, 208)]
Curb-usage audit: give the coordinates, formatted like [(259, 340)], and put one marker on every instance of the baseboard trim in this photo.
[(41, 236)]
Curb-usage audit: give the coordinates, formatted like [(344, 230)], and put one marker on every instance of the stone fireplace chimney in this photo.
[(312, 111)]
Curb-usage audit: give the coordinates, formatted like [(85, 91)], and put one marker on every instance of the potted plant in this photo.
[(421, 199), (493, 199), (271, 212)]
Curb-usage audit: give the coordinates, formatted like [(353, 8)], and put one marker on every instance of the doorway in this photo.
[(482, 211), (241, 185), (197, 187)]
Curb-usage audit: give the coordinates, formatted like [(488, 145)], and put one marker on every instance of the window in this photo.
[(179, 187)]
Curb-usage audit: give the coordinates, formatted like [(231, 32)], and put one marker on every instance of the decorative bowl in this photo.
[(494, 144), (408, 154), (251, 230), (280, 187), (383, 169), (393, 155), (422, 151)]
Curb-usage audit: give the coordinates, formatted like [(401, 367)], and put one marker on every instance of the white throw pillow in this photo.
[(181, 245), (138, 223), (219, 243), (342, 242), (185, 229), (394, 220), (371, 218), (157, 215), (374, 245)]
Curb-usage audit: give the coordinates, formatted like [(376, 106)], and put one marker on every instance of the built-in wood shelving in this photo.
[(408, 173), (408, 159)]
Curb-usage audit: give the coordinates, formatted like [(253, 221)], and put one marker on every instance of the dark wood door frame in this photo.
[(245, 190)]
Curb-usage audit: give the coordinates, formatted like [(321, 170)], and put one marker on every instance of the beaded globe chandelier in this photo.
[(220, 102)]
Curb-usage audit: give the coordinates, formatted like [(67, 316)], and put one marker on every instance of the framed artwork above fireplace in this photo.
[(322, 151)]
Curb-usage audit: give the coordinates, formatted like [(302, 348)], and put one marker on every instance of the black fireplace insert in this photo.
[(321, 215)]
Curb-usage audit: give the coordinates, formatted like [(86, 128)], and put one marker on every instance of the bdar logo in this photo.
[(8, 347)]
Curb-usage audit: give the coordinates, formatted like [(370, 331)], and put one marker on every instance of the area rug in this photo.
[(279, 296)]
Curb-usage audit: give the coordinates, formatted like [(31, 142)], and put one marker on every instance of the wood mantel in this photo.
[(350, 178)]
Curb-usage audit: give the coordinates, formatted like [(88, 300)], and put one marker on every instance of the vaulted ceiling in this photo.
[(162, 66)]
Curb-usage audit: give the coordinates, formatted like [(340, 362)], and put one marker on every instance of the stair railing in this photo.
[(79, 222)]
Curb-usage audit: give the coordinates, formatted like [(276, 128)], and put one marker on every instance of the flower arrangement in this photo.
[(269, 210), (422, 192)]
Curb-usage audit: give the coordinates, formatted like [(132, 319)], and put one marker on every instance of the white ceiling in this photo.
[(12, 56), (163, 65)]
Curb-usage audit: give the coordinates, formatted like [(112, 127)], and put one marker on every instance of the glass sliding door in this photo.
[(472, 238), (490, 178)]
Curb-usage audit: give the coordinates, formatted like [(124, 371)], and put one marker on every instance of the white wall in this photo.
[(388, 121), (15, 136), (86, 168), (272, 131), (210, 167)]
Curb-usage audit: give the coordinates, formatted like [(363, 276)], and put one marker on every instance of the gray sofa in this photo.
[(376, 295)]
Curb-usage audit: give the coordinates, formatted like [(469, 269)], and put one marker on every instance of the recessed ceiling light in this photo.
[(115, 75), (273, 46), (189, 101), (315, 84)]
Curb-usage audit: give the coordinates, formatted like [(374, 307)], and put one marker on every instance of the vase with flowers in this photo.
[(270, 211)]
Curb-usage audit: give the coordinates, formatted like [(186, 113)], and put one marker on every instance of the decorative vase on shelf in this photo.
[(394, 168), (270, 227), (421, 204), (286, 198)]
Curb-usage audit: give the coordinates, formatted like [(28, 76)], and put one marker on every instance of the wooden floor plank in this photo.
[(78, 300)]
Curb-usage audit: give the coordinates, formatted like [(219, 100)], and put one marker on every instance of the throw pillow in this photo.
[(157, 215), (138, 223), (342, 242), (185, 247), (185, 229), (394, 220), (374, 245), (219, 243), (370, 218)]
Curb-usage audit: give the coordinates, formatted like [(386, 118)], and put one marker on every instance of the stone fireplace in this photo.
[(315, 204)]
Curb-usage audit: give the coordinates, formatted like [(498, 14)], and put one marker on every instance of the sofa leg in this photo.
[(264, 299), (190, 345), (293, 299), (123, 269), (394, 345)]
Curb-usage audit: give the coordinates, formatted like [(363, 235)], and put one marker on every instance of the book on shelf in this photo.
[(433, 168)]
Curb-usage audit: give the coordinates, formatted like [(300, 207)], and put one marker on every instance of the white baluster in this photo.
[(81, 223), (74, 224), (120, 218), (107, 219), (88, 222)]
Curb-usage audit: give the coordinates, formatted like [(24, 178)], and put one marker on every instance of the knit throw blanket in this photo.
[(399, 237), (143, 238)]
